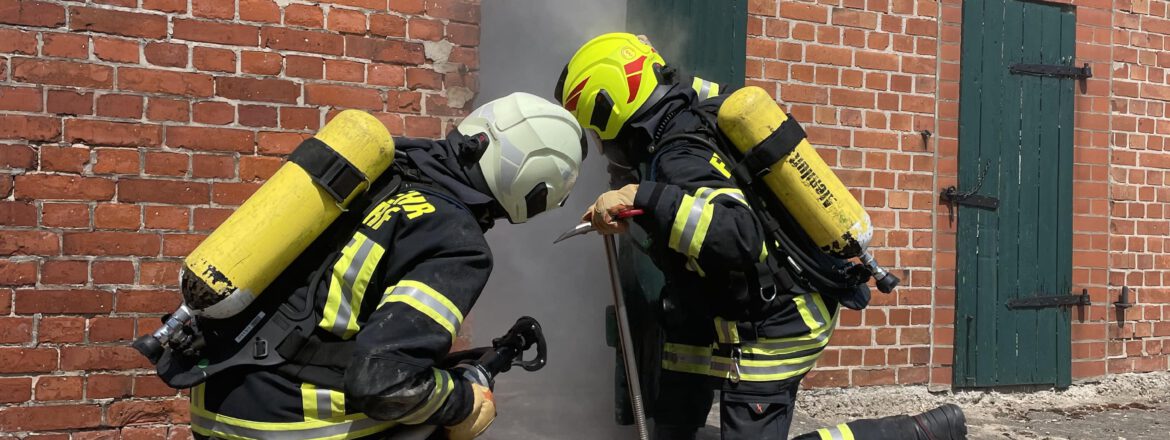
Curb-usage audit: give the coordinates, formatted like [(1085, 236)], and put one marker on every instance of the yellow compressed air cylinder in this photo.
[(233, 265), (802, 181)]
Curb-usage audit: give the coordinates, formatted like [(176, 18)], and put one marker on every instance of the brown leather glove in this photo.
[(483, 413), (608, 205)]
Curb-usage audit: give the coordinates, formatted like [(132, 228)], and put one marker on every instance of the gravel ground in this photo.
[(1121, 407)]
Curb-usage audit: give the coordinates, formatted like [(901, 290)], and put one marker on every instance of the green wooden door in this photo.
[(1018, 130), (705, 38)]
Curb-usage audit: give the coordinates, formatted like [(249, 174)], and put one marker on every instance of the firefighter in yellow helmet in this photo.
[(351, 341), (734, 319)]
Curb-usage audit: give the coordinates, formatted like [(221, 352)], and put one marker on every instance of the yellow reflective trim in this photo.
[(309, 400), (337, 401), (428, 301), (824, 434), (333, 303), (359, 287), (442, 389), (197, 393), (814, 340), (846, 433), (820, 303), (714, 90), (278, 426), (680, 220), (763, 251), (805, 313), (701, 230)]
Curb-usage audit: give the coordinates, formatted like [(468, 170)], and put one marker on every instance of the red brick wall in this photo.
[(868, 75), (861, 76), (129, 130)]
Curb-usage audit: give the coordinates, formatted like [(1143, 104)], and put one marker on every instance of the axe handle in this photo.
[(627, 342)]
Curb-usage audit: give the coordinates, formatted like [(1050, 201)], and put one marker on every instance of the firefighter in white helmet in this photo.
[(383, 291)]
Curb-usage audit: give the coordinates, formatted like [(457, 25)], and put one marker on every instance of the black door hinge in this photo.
[(1037, 302), (1052, 70), (952, 196)]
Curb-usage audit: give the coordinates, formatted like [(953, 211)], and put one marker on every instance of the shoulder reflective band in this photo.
[(759, 160), (328, 168)]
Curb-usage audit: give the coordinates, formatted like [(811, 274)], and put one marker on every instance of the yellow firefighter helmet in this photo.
[(609, 80)]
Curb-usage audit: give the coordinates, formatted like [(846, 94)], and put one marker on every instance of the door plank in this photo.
[(989, 362), (1008, 341), (1065, 197), (966, 287)]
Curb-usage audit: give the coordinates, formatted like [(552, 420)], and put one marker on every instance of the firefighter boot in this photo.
[(943, 423)]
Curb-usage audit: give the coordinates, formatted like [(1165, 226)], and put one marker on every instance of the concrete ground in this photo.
[(1122, 407)]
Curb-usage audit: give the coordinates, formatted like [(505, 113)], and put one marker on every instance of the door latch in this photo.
[(1039, 302), (1052, 70), (952, 196)]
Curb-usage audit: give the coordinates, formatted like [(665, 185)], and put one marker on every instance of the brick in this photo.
[(16, 329), (166, 54), (309, 16), (227, 193), (343, 96), (148, 301), (112, 133), (267, 90), (210, 139), (382, 50), (25, 99), (18, 156), (101, 358), (302, 41), (31, 13), (17, 41), (125, 412), (50, 418), (64, 215), (257, 116), (180, 245), (116, 50), (166, 217), (161, 109), (167, 164), (219, 33), (160, 81), (266, 11), (65, 45), (260, 63), (63, 73), (27, 360), (69, 102), (179, 6), (18, 273), (211, 59), (151, 386), (423, 126), (59, 388), (113, 272), (162, 191), (387, 25), (207, 219), (465, 11), (463, 34), (408, 7), (64, 272), (423, 29), (17, 213), (108, 21), (62, 187), (120, 106), (364, 4), (116, 161), (15, 389), (213, 112), (300, 118), (105, 386), (341, 70), (347, 21), (61, 330), (304, 67), (222, 9), (256, 168), (279, 143), (105, 329), (419, 78), (19, 242), (112, 243), (385, 75), (213, 166)]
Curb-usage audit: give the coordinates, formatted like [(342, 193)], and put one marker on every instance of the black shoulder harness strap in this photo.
[(774, 148), (328, 168)]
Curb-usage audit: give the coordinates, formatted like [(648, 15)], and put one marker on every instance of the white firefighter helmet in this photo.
[(534, 152)]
